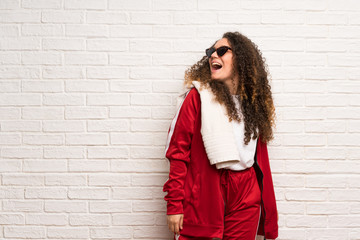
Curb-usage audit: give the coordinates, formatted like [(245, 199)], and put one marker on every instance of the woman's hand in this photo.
[(175, 222)]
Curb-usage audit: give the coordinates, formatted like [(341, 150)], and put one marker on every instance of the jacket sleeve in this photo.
[(271, 224), (177, 151)]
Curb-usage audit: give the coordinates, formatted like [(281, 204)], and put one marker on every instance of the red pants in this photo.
[(242, 197)]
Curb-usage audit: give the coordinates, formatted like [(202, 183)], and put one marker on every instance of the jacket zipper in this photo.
[(261, 190)]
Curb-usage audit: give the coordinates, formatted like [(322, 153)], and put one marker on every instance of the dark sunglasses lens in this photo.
[(209, 51), (221, 51)]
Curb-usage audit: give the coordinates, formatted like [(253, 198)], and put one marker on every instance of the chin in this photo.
[(216, 78)]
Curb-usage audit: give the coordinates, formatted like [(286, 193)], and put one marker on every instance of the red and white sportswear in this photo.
[(193, 187)]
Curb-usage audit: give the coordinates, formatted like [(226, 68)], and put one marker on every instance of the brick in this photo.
[(42, 86), (194, 18), (150, 73), (150, 18), (24, 72), (108, 179), (148, 206), (106, 17), (85, 4), (10, 165), (44, 113), (146, 152), (108, 125), (63, 152), (10, 139), (306, 195), (149, 180), (89, 165), (126, 193), (344, 221), (108, 99), (86, 112), (108, 152), (138, 31), (22, 179), (344, 195), (150, 99), (327, 208), (150, 125), (130, 86), (22, 205), (45, 193), (63, 99), (110, 207), (101, 72), (65, 179), (326, 181), (308, 166), (67, 232), (111, 232), (63, 126), (86, 86), (10, 57), (291, 207), (41, 4), (62, 17), (11, 219), (141, 138), (90, 220), (24, 232), (21, 152), (11, 192), (91, 30), (17, 16), (86, 139), (161, 5), (9, 4), (42, 30), (283, 17), (133, 219), (63, 44), (106, 45), (62, 73), (46, 219), (9, 31), (181, 32), (153, 231), (86, 58), (72, 206), (212, 5), (149, 166), (134, 5), (88, 193)]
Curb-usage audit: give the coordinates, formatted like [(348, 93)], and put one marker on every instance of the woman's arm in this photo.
[(178, 151)]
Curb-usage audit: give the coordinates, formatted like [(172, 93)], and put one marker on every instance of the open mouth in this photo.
[(216, 66)]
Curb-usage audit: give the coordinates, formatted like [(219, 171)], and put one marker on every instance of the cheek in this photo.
[(228, 62), (228, 66)]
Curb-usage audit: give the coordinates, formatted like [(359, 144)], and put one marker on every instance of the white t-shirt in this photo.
[(246, 152)]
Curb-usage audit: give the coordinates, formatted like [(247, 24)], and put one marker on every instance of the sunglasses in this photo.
[(220, 51)]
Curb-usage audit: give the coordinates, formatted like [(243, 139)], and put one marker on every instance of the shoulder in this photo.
[(192, 97), (190, 100), (194, 94)]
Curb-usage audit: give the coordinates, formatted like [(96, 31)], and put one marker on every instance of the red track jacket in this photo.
[(193, 187)]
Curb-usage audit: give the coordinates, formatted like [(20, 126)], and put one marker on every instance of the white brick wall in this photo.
[(88, 90)]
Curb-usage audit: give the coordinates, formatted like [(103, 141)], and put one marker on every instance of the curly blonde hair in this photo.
[(253, 91)]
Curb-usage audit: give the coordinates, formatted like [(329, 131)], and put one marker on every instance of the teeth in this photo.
[(215, 63)]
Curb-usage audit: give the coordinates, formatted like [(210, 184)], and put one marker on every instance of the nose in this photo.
[(215, 54)]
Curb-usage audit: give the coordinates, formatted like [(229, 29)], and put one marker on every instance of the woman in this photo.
[(220, 183)]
